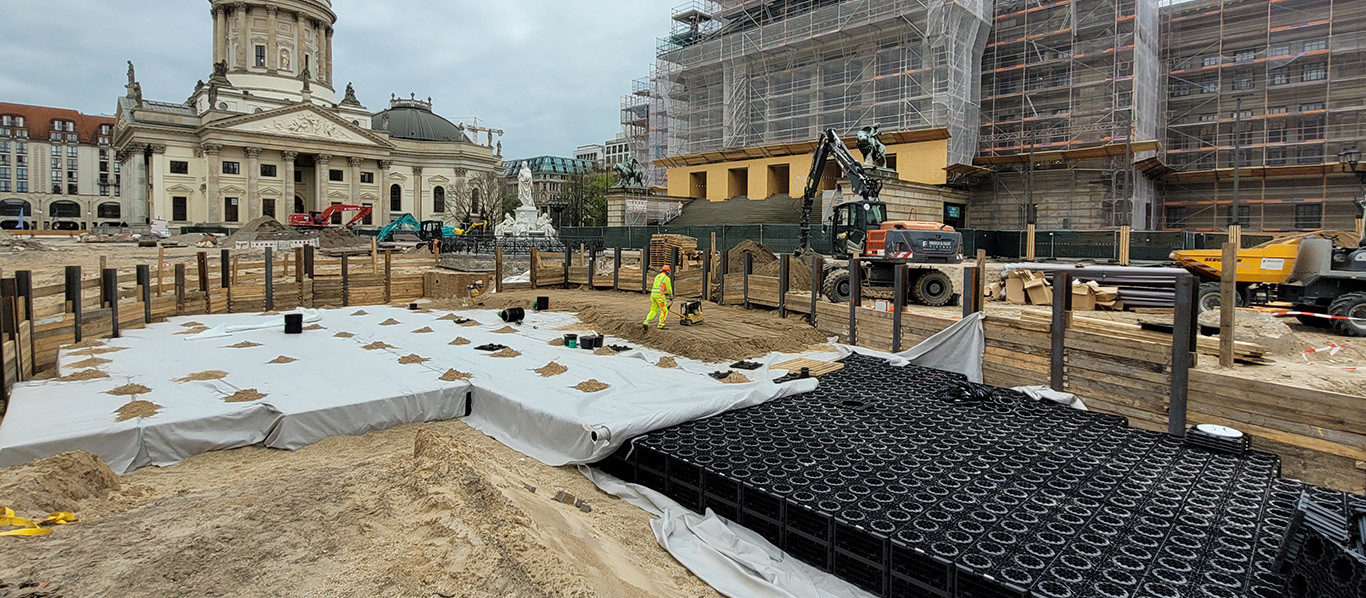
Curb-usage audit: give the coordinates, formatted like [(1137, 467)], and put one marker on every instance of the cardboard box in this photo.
[(1038, 291), (1015, 291), (993, 291), (1083, 299)]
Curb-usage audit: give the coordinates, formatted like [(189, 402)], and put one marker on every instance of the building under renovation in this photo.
[(1074, 114)]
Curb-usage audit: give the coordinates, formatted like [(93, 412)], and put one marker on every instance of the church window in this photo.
[(395, 198), (230, 209), (367, 177), (335, 175), (232, 168), (261, 56), (268, 170), (180, 209), (268, 207), (439, 200)]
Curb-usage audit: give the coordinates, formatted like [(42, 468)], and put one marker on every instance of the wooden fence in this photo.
[(1320, 435), (36, 321)]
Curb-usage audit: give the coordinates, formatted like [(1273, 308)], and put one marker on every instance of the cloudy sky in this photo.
[(548, 72)]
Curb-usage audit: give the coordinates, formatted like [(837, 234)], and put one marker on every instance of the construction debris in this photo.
[(1034, 288)]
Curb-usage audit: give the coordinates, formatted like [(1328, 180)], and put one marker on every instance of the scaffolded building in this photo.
[(742, 73), (1070, 97), (1275, 87)]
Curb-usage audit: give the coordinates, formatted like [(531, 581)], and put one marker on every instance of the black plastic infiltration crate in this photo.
[(938, 487)]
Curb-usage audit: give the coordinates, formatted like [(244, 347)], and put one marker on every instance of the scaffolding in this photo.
[(1068, 75), (1276, 86), (734, 74)]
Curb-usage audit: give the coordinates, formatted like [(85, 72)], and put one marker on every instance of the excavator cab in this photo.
[(853, 220)]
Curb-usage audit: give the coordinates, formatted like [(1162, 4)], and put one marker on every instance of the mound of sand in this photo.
[(137, 409), (390, 322), (765, 263), (83, 375), (736, 378), (667, 362), (505, 330), (246, 395), (343, 334), (58, 483), (551, 369), (1263, 329), (264, 228), (423, 330), (459, 341), (128, 390), (283, 359), (505, 352), (244, 345), (452, 375), (377, 345), (412, 358), (590, 386), (92, 362), (13, 243), (604, 351), (205, 375), (337, 238)]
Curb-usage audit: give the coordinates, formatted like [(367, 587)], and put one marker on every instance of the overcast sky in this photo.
[(548, 72)]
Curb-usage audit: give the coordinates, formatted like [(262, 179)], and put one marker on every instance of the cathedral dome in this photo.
[(414, 120)]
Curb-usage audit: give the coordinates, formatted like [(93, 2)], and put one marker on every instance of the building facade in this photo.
[(57, 170), (594, 153), (266, 136), (616, 151)]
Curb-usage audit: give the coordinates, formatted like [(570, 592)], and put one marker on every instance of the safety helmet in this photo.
[(666, 268)]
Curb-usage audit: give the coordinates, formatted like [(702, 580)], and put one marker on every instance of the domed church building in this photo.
[(266, 135)]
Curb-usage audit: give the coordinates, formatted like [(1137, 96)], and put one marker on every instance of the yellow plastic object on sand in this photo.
[(1270, 262), (30, 528)]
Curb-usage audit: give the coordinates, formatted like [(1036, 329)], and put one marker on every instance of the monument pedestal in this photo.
[(912, 201)]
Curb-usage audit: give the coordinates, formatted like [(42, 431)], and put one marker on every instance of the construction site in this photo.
[(240, 422)]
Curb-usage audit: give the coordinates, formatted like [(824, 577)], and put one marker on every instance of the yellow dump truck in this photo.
[(1260, 268)]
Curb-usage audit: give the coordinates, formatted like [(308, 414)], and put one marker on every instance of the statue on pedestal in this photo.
[(527, 218), (870, 143), (629, 174)]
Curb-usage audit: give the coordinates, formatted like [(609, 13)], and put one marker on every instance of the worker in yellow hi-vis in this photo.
[(660, 295)]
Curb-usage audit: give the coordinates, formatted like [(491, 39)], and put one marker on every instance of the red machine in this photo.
[(323, 219)]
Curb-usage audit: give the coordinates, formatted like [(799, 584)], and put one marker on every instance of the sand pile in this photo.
[(58, 483), (83, 375), (244, 396), (360, 312), (377, 345), (452, 375), (313, 327), (505, 330), (13, 243), (337, 238), (459, 341), (343, 334), (128, 390), (604, 351), (244, 345), (390, 322), (551, 369), (264, 228), (556, 342), (205, 375), (765, 263), (412, 358), (736, 378), (667, 362), (505, 352), (283, 359), (89, 343), (423, 330), (1263, 329), (92, 362), (98, 350), (137, 409), (590, 386)]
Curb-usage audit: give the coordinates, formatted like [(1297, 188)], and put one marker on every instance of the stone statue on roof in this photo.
[(132, 78), (220, 68)]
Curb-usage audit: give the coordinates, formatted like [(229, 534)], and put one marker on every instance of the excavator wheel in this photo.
[(836, 287), (932, 288), (1351, 305), (1208, 298)]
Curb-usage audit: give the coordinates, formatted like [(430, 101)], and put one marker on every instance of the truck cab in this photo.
[(852, 221)]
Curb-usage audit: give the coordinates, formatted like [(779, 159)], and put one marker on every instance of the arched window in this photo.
[(64, 209), (17, 207), (395, 198), (439, 200), (298, 205), (108, 210), (474, 202)]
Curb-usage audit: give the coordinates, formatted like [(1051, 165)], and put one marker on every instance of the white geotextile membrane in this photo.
[(338, 388)]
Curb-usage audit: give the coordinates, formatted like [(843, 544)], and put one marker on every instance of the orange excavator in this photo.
[(323, 219), (861, 228)]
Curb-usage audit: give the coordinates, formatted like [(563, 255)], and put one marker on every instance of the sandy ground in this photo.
[(419, 510), (727, 334)]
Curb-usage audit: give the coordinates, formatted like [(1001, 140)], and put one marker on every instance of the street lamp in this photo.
[(1350, 159)]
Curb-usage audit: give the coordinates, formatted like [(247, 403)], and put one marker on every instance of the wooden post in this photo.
[(1183, 343), (1228, 303), (299, 272), (104, 262), (706, 276), (346, 280), (568, 257), (179, 289), (899, 303), (73, 297), (616, 269), (981, 276), (592, 266), (972, 300), (534, 262), (308, 261), (203, 264), (645, 269), (816, 276), (436, 252), (388, 276), (1062, 319), (498, 270), (1029, 243), (374, 255), (109, 287), (9, 322), (722, 270), (784, 267), (270, 279), (145, 291), (1125, 244), (855, 297), (224, 279), (23, 279), (748, 269), (161, 265), (673, 264)]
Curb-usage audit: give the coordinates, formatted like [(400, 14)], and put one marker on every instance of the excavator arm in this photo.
[(831, 146)]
